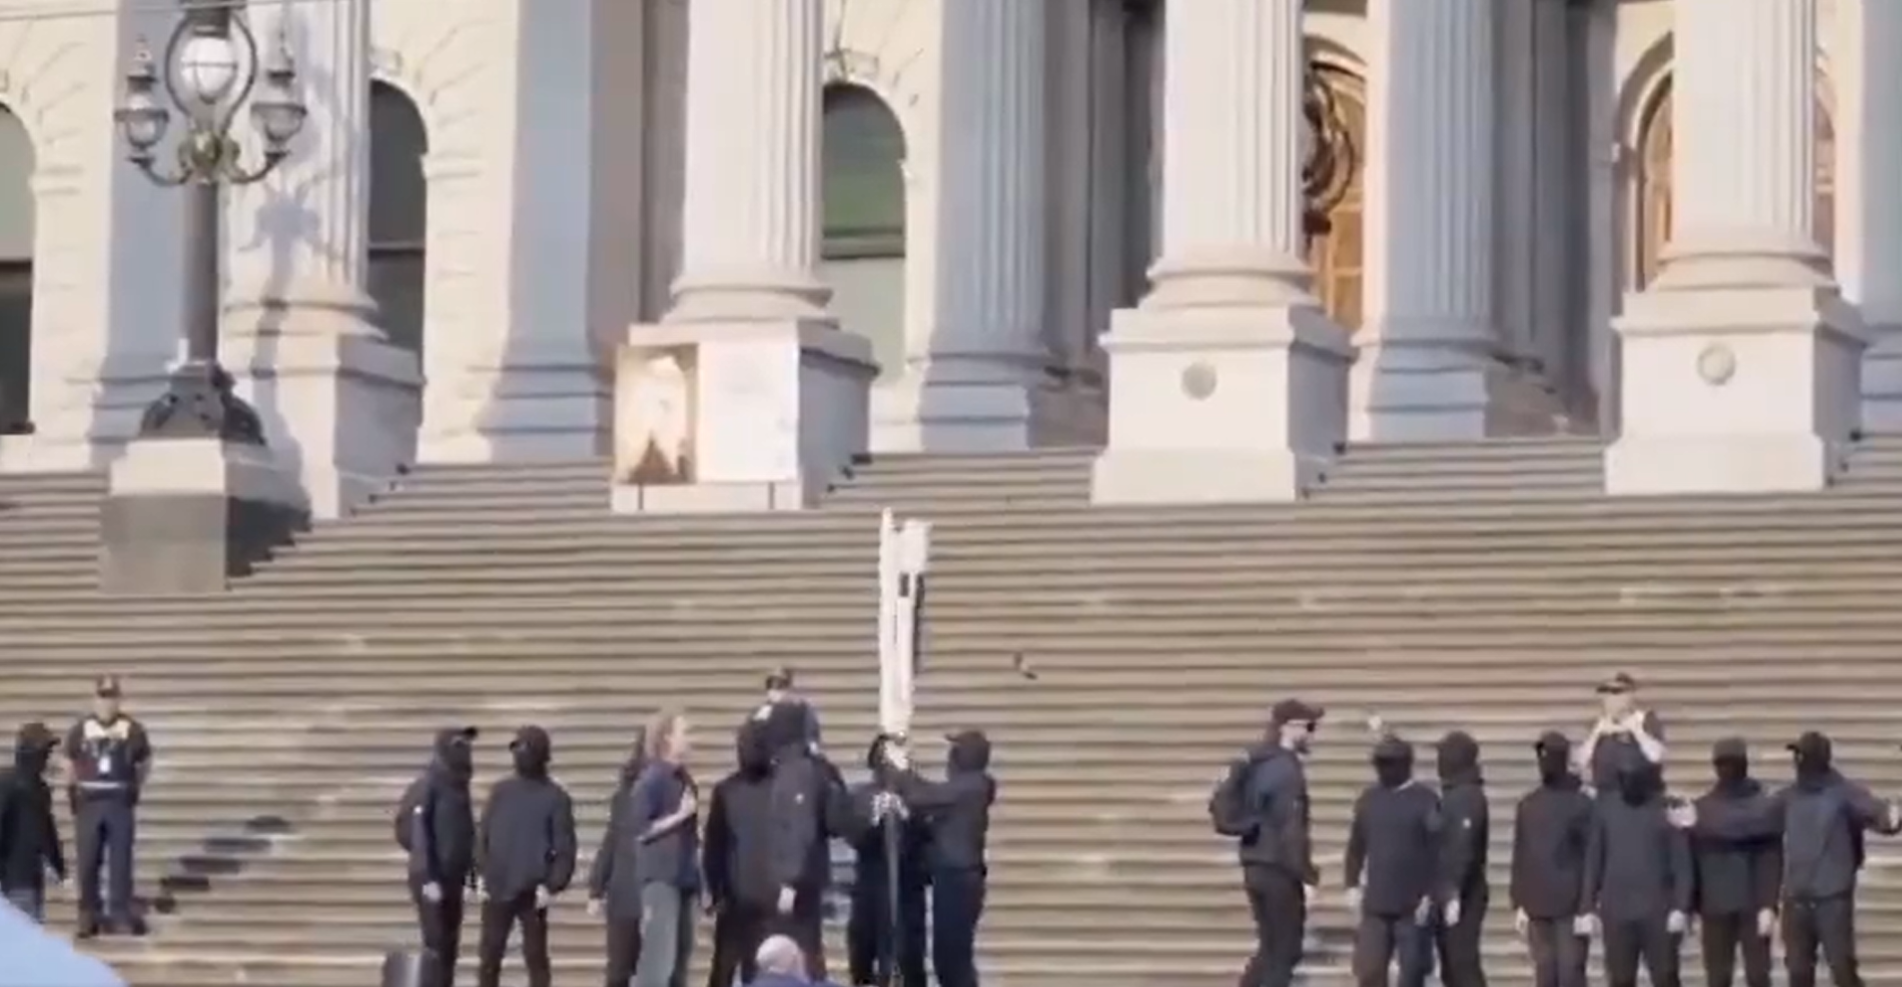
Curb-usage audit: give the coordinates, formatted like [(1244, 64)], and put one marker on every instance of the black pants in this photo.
[(1629, 941), (1380, 940), (805, 925), (624, 948), (1458, 945), (440, 925), (870, 933), (1826, 924), (105, 827), (499, 916), (1279, 906), (1559, 953), (736, 936), (957, 905), (1724, 937)]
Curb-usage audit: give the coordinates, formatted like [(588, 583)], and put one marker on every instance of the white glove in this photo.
[(1683, 815), (1353, 900), (786, 899), (1675, 923), (1423, 912), (481, 890), (432, 892), (594, 908), (1767, 922), (1585, 925), (542, 898), (1521, 921), (1450, 914)]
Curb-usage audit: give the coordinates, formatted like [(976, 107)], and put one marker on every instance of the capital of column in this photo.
[(750, 233), (1743, 146), (1232, 139)]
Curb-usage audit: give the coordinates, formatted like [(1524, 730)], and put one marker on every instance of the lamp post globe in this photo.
[(142, 118), (207, 66), (275, 110)]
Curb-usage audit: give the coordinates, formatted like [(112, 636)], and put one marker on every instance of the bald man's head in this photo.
[(780, 955)]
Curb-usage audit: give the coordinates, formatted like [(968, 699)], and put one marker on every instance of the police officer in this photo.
[(109, 756)]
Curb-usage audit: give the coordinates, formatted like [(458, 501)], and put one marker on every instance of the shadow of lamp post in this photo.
[(210, 70)]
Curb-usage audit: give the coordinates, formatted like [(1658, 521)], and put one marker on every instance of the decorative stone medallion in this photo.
[(1716, 364), (1199, 380)]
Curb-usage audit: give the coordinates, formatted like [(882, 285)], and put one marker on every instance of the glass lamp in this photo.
[(208, 67)]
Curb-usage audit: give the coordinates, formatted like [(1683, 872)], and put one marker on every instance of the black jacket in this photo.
[(1466, 820), (1821, 820), (1551, 830), (867, 836), (740, 830), (1736, 876), (611, 877), (1277, 792), (956, 811), (527, 836), (438, 824), (1393, 843), (29, 838), (1637, 865)]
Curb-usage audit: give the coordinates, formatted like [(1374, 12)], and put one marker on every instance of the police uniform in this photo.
[(110, 757)]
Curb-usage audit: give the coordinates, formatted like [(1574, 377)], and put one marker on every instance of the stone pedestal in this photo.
[(183, 516), (733, 417), (1741, 363), (1228, 383)]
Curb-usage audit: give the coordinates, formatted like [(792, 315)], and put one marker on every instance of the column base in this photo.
[(185, 515), (1734, 390), (1882, 380), (522, 408), (738, 416), (1221, 405), (923, 411), (1418, 392), (341, 412)]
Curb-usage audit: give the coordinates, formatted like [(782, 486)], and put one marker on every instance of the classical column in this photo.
[(338, 402), (978, 382), (1741, 362), (746, 395), (1869, 156), (1228, 383), (750, 220), (1431, 180)]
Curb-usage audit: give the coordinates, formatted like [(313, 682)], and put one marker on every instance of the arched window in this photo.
[(1652, 192), (1337, 255), (399, 214), (16, 275), (864, 210)]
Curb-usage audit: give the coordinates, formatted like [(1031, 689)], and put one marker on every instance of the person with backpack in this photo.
[(435, 826), (1262, 803)]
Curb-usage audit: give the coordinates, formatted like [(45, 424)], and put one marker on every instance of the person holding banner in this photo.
[(957, 814), (886, 932)]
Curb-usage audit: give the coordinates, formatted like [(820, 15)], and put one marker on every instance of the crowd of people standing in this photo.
[(1600, 853)]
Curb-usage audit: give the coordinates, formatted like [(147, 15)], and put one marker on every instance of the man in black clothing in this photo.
[(1821, 819), (1272, 841), (1391, 867), (1738, 881), (1638, 879), (957, 816), (613, 884), (435, 824), (1551, 830), (1466, 832), (525, 852), (110, 757), (875, 943), (738, 843), (807, 807), (29, 838), (1623, 728)]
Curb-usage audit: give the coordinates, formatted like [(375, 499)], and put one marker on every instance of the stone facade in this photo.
[(997, 179)]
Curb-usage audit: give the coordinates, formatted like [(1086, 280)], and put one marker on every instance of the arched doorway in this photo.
[(399, 215), (1337, 255), (16, 275), (1652, 191), (863, 191)]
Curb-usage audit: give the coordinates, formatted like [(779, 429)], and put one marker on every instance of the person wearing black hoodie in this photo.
[(1463, 893), (1821, 819), (739, 838), (435, 826), (957, 816), (525, 853), (807, 807), (613, 884), (1391, 868), (1738, 881), (1551, 830), (29, 838), (1639, 878), (876, 945)]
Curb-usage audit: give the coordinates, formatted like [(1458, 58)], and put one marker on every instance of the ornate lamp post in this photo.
[(210, 69), (1328, 155)]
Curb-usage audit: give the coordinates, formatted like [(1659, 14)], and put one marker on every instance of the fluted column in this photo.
[(1868, 80), (1232, 139), (750, 222), (1431, 196), (1743, 165)]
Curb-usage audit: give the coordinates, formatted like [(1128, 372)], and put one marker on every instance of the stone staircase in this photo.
[(1117, 656)]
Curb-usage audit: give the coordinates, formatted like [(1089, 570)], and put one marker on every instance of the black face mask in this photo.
[(1731, 771), (1393, 763), (454, 757), (1555, 765)]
